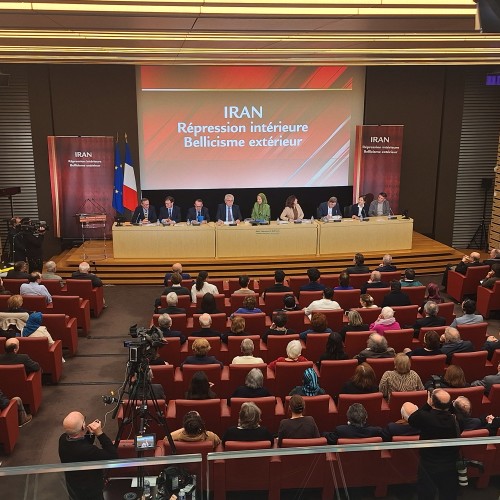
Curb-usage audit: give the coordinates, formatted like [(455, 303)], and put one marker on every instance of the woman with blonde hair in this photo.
[(401, 379), (201, 348)]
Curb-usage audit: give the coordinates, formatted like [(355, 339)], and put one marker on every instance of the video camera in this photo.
[(33, 226), (144, 344)]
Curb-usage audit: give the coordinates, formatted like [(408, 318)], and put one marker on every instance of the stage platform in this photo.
[(426, 256)]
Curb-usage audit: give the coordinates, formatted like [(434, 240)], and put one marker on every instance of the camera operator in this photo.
[(33, 233), (77, 445), (16, 241)]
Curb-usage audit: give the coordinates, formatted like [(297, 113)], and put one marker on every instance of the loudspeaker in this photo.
[(486, 183), (489, 15)]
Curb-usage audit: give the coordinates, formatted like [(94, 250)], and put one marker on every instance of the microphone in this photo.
[(391, 215), (137, 218)]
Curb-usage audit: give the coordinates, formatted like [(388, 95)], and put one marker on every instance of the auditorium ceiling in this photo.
[(214, 32)]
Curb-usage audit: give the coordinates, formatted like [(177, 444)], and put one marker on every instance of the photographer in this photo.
[(16, 241), (77, 445), (33, 233)]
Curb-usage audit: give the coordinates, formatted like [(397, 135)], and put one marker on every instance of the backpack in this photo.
[(170, 481)]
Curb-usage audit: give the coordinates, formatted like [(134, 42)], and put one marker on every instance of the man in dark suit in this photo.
[(20, 271), (278, 287), (359, 265), (329, 209), (386, 265), (474, 259), (170, 213), (356, 426), (227, 211), (396, 297), (431, 318), (172, 301), (206, 327), (314, 275), (198, 212), (84, 273), (11, 357), (375, 281), (144, 212), (165, 323), (358, 209), (176, 286)]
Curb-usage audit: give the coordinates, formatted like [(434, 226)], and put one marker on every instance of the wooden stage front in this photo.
[(426, 256)]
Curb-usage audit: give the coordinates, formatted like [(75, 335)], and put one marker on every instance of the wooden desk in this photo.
[(377, 234), (266, 241), (169, 242)]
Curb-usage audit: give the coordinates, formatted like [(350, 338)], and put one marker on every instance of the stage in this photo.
[(426, 256)]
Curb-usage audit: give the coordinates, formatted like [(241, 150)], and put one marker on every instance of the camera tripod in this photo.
[(482, 230), (136, 412)]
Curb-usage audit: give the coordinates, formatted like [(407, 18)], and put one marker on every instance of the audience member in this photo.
[(237, 328), (454, 377), (432, 346), (278, 326), (344, 282), (15, 304), (399, 428), (354, 324), (244, 281), (205, 321), (310, 385), (140, 386), (278, 287), (176, 286), (293, 355), (34, 328), (298, 426), (34, 287), (77, 445), (172, 301), (492, 277), (176, 268), (359, 265), (468, 318), (165, 325), (253, 388), (84, 273), (247, 357), (23, 418), (474, 259), (367, 302), (401, 379), (462, 408), (19, 272), (193, 430), (364, 381), (314, 275), (11, 356), (249, 306), (430, 319), (334, 349), (200, 387), (409, 279), (326, 302), (319, 324), (488, 381), (201, 347), (376, 347), (201, 287), (356, 426), (396, 297), (50, 271), (453, 343), (385, 321), (386, 266), (248, 428), (208, 304), (375, 281), (3, 290)]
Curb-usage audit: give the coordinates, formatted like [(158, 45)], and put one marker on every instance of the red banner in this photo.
[(377, 161), (81, 176)]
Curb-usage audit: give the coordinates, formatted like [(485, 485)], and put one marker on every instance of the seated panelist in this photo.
[(359, 210), (380, 206), (261, 209), (329, 209), (144, 212), (170, 213), (227, 211), (198, 212), (292, 210)]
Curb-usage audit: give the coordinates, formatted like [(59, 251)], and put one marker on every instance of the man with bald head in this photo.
[(76, 444), (205, 321), (375, 281), (474, 259), (437, 470), (452, 343), (12, 357), (176, 268)]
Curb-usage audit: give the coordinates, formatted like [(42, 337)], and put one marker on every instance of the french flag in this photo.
[(129, 184)]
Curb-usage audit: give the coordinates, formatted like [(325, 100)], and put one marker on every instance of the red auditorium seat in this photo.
[(287, 375), (271, 407), (3, 302), (265, 282), (402, 466), (375, 405), (53, 286), (164, 375), (426, 366), (476, 333), (36, 303), (63, 328), (389, 276), (276, 346), (418, 398), (13, 285), (214, 374), (84, 289), (306, 297), (27, 387), (126, 449), (179, 322), (355, 342), (236, 301), (484, 453), (494, 400), (295, 282), (358, 280), (380, 366), (378, 294), (406, 315), (234, 284), (274, 301), (315, 345), (9, 428), (234, 346), (171, 352), (220, 302), (74, 307), (399, 339), (488, 300), (238, 373), (416, 294), (330, 280), (369, 314), (460, 285), (183, 301), (155, 425), (296, 321), (474, 364), (364, 468), (255, 324), (322, 408), (447, 311), (334, 318), (475, 395), (420, 341), (347, 299), (333, 374), (231, 474)]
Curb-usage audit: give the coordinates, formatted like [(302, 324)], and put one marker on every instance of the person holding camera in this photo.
[(16, 241), (76, 444)]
